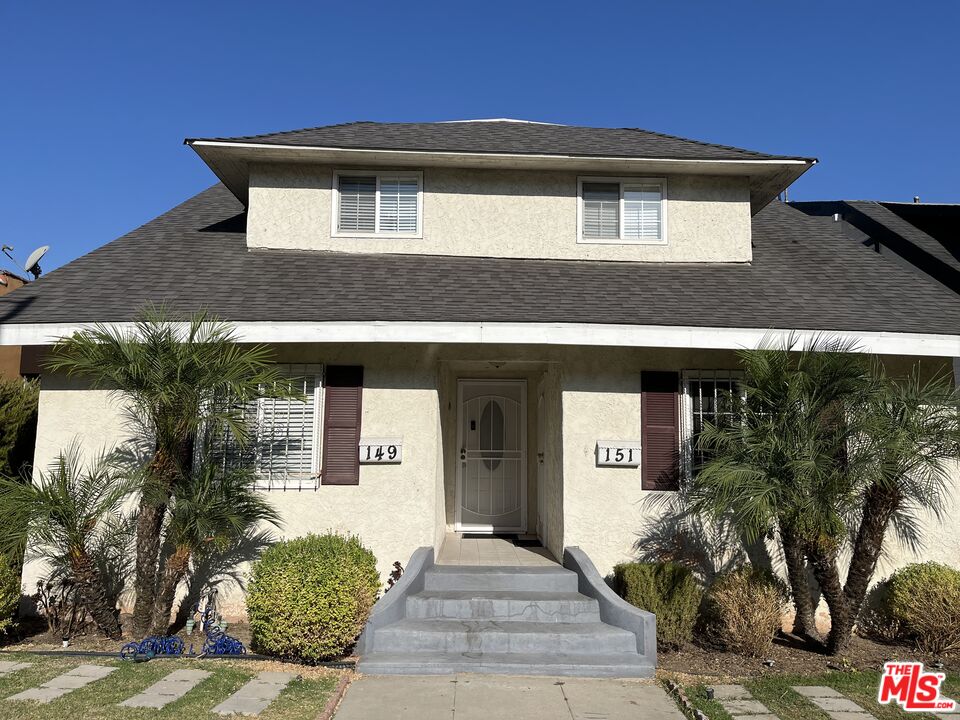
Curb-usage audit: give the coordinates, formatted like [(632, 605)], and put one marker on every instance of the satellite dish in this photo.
[(33, 262), (3, 281)]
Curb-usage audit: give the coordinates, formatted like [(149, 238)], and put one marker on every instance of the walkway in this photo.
[(481, 697)]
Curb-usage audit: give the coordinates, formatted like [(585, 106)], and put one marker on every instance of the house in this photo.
[(503, 328), (924, 236), (10, 355)]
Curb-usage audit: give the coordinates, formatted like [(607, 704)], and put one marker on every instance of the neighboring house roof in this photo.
[(498, 143), (805, 275), (891, 227), (504, 136)]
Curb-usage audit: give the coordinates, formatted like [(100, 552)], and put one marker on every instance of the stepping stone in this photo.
[(173, 687), (731, 692), (256, 695), (7, 667), (750, 708), (62, 684), (816, 691)]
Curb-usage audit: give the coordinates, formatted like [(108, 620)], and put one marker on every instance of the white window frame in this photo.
[(312, 482), (335, 230), (686, 410), (622, 181)]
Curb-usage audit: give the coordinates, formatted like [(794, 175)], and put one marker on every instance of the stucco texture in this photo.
[(576, 396), (501, 213)]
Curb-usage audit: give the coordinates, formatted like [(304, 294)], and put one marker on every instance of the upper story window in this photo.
[(378, 204), (622, 210)]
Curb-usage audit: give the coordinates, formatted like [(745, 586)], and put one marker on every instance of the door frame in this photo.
[(490, 529)]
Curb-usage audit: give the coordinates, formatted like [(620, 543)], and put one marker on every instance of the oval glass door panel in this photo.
[(491, 482)]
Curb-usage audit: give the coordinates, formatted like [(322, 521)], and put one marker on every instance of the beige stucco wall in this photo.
[(501, 213), (576, 396)]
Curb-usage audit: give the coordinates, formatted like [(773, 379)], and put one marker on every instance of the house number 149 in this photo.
[(375, 451)]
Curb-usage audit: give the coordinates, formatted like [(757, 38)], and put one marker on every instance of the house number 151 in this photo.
[(623, 453)]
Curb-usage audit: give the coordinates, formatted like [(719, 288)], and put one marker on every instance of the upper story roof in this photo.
[(503, 136), (499, 143), (924, 236), (805, 275)]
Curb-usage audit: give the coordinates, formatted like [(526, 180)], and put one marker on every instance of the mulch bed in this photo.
[(790, 656)]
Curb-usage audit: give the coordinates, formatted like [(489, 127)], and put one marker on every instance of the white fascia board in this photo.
[(360, 152), (582, 334)]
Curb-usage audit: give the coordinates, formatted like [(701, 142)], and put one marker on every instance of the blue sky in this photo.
[(97, 97)]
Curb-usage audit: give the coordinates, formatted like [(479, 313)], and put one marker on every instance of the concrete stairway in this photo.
[(516, 620)]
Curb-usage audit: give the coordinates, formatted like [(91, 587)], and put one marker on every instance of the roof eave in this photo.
[(230, 162)]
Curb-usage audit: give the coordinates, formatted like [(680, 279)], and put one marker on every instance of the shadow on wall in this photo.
[(708, 547)]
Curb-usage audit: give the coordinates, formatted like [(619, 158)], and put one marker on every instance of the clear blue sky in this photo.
[(96, 97)]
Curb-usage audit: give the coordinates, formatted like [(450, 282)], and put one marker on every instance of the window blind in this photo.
[(358, 204), (601, 210), (398, 204), (641, 212), (282, 436)]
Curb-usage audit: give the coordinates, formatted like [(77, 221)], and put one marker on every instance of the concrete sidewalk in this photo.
[(501, 697)]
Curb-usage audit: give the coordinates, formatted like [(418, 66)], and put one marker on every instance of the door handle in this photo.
[(463, 453)]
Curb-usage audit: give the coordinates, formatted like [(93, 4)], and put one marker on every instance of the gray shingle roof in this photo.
[(506, 137), (805, 275)]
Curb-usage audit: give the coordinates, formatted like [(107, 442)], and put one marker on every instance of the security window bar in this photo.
[(282, 446), (711, 396), (378, 204), (622, 211)]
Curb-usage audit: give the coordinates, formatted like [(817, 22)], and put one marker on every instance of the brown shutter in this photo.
[(660, 430), (342, 406)]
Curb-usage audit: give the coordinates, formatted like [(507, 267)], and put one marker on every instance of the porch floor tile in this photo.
[(495, 551)]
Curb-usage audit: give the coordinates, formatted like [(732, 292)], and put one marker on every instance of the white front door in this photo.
[(492, 456)]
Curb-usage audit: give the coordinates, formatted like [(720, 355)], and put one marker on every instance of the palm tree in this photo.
[(908, 439), (829, 448), (68, 512), (210, 511), (177, 377), (780, 470)]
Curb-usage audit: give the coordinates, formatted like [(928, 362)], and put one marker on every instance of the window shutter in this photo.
[(398, 204), (601, 210), (660, 430), (641, 212), (358, 204), (342, 406)]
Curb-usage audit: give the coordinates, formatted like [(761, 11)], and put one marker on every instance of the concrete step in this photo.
[(490, 636), (504, 606), (483, 577), (554, 663)]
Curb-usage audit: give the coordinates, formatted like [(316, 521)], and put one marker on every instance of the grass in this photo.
[(775, 692), (301, 700)]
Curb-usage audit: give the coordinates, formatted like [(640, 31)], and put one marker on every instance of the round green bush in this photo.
[(9, 593), (923, 601), (668, 590), (309, 598)]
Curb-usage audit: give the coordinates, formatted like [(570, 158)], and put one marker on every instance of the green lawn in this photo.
[(775, 692), (301, 699)]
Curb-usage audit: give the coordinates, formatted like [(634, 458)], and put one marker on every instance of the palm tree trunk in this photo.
[(173, 572), (879, 506), (167, 466), (823, 560), (805, 621), (90, 590)]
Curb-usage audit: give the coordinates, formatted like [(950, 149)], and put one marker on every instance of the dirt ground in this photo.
[(789, 655)]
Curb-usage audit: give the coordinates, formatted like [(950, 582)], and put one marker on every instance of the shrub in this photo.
[(9, 593), (924, 600), (743, 610), (18, 424), (309, 598), (668, 590)]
